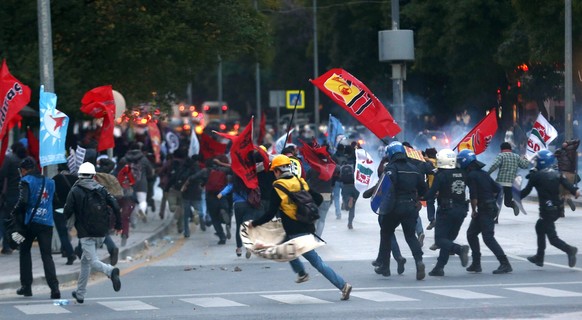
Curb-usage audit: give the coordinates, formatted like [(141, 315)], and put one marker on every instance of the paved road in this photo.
[(197, 278)]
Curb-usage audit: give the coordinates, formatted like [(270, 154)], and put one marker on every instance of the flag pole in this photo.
[(291, 120)]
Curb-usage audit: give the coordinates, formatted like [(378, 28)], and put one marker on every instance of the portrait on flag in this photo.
[(242, 156), (478, 139)]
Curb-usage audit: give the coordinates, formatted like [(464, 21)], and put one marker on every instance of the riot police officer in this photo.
[(547, 180), (449, 183), (401, 206), (483, 191)]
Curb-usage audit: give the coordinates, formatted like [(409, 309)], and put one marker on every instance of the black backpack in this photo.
[(97, 214), (347, 174), (307, 208)]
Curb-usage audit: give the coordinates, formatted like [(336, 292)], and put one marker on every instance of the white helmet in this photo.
[(446, 159), (86, 170)]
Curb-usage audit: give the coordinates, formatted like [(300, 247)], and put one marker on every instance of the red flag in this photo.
[(156, 139), (15, 96), (480, 136), (350, 93), (99, 103), (242, 156), (262, 129), (209, 147), (319, 160), (33, 146)]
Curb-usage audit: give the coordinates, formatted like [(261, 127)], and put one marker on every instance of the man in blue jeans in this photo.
[(280, 201)]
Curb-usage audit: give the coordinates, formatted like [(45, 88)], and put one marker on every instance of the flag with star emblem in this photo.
[(53, 130)]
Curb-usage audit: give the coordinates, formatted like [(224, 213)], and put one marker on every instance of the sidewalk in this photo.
[(144, 233)]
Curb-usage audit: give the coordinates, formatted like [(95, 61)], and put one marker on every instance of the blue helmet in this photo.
[(394, 148), (465, 157), (545, 159)]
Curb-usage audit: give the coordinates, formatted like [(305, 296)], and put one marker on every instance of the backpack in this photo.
[(347, 174), (216, 180), (96, 218), (110, 183), (307, 208)]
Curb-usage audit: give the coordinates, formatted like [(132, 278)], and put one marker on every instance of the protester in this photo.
[(508, 162), (64, 181), (281, 166), (92, 226), (142, 169), (9, 181), (33, 220), (567, 157)]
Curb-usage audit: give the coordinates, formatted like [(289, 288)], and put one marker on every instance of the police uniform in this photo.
[(483, 190), (451, 212), (551, 205), (401, 208)]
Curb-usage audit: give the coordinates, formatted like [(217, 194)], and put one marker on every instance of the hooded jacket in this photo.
[(74, 204)]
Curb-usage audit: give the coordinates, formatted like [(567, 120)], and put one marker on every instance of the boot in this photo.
[(475, 265), (464, 255), (537, 260), (420, 270), (437, 272), (515, 208), (504, 266), (572, 256), (401, 261), (383, 269)]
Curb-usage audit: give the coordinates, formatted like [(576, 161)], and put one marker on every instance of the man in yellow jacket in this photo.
[(280, 201)]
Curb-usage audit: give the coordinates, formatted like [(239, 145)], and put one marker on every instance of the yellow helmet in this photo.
[(279, 161)]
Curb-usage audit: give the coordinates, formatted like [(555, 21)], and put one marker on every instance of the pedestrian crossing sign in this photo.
[(295, 96)]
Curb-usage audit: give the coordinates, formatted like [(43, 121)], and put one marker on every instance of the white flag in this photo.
[(540, 136), (364, 172), (194, 144)]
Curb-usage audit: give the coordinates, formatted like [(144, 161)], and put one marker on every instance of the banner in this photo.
[(319, 160), (241, 156), (99, 103), (352, 95), (15, 96), (414, 154), (480, 136), (540, 136), (265, 242), (209, 147), (53, 130), (156, 139), (172, 142), (364, 177), (335, 133), (194, 147)]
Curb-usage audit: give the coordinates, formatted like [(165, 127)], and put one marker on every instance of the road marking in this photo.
[(214, 302), (295, 299), (547, 292), (380, 296), (462, 294), (563, 266), (42, 309), (127, 305)]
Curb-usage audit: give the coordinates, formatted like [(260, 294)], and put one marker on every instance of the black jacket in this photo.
[(74, 204), (547, 183)]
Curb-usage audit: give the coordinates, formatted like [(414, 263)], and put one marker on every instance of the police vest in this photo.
[(453, 190)]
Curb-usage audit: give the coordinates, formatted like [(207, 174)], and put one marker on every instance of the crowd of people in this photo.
[(208, 193)]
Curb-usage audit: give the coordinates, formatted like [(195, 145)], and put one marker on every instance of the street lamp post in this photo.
[(568, 108), (315, 66)]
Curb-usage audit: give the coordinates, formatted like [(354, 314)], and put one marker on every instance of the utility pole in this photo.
[(258, 82), (45, 47), (315, 67), (568, 108), (219, 78)]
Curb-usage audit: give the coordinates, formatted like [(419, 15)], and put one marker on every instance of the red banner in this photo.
[(352, 95), (14, 95), (480, 136), (14, 121), (318, 159), (99, 103), (209, 147), (156, 139), (242, 156), (262, 129)]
